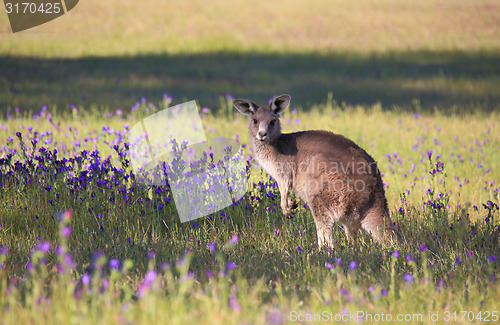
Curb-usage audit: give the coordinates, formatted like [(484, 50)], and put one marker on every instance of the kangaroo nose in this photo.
[(262, 134)]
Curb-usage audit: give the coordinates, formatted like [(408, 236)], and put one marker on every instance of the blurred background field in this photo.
[(112, 53)]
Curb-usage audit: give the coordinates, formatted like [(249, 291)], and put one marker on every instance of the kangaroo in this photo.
[(339, 180)]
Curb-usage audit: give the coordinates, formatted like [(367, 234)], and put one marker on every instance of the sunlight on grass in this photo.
[(83, 242), (112, 52), (127, 28)]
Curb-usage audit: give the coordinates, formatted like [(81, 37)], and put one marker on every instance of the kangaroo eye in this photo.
[(273, 122), (255, 121)]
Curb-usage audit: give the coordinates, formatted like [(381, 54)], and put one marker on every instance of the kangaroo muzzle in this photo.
[(262, 134)]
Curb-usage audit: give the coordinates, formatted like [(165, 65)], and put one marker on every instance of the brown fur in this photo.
[(338, 179)]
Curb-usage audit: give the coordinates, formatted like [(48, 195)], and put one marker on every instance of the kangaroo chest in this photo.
[(279, 169)]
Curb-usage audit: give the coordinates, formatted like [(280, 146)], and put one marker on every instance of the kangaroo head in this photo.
[(264, 120)]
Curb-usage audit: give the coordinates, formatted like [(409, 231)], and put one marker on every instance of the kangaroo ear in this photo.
[(280, 103), (244, 106)]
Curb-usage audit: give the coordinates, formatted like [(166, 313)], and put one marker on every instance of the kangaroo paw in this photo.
[(292, 204)]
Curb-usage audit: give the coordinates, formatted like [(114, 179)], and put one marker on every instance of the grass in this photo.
[(119, 253), (449, 81), (115, 28), (444, 53)]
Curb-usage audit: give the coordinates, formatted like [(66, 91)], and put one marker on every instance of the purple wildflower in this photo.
[(44, 247), (114, 264), (69, 262), (212, 246), (150, 277), (233, 303), (66, 232), (86, 278)]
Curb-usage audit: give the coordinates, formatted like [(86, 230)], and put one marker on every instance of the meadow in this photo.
[(83, 242), (110, 54), (415, 84)]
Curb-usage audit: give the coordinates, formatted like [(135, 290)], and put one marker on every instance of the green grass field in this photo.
[(113, 53), (414, 83), (247, 262)]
